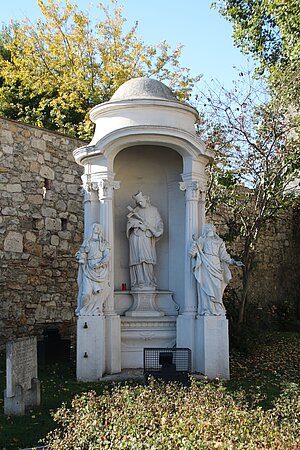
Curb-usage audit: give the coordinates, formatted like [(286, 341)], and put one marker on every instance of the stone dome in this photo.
[(143, 88)]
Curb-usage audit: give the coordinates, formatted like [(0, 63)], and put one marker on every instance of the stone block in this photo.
[(38, 143), (52, 224), (35, 199), (48, 212), (14, 188), (90, 348), (47, 172), (54, 240), (69, 178), (212, 346), (30, 236), (22, 386), (13, 242), (9, 211)]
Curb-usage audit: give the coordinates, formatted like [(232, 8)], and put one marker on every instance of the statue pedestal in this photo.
[(144, 305), (212, 344), (140, 332), (90, 348)]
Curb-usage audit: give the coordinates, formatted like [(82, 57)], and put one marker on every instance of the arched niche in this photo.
[(156, 171)]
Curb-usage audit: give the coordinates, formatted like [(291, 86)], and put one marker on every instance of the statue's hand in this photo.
[(142, 226), (239, 264), (192, 251)]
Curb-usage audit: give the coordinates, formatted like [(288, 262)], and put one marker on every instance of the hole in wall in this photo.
[(64, 224), (46, 187)]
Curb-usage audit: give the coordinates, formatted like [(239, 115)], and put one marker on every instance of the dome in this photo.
[(143, 88)]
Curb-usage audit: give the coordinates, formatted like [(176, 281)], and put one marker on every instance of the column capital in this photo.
[(192, 189), (106, 187)]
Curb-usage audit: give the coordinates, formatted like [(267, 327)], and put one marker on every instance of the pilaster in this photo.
[(192, 193)]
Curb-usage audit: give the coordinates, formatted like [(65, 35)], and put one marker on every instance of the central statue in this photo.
[(144, 228)]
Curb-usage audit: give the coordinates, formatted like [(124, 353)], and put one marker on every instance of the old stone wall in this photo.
[(41, 228), (274, 293)]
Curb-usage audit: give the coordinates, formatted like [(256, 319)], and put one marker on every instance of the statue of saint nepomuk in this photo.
[(211, 271), (144, 227), (93, 280)]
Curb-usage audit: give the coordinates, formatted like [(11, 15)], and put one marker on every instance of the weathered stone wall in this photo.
[(40, 229), (274, 294)]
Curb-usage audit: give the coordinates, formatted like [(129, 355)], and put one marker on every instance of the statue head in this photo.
[(97, 230), (209, 230), (141, 199)]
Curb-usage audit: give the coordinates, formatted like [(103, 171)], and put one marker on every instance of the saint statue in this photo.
[(211, 271), (144, 227), (93, 281)]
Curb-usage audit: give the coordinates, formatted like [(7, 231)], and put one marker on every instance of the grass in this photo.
[(273, 362), (58, 385)]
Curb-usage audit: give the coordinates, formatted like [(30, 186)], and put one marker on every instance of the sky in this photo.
[(205, 35)]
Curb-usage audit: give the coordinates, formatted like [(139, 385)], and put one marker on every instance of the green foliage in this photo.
[(270, 31), (54, 71), (163, 417), (262, 395)]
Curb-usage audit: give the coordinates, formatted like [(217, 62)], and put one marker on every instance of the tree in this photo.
[(257, 156), (270, 31), (54, 71)]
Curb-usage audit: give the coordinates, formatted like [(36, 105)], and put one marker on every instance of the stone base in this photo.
[(186, 335), (144, 305), (212, 347), (90, 361), (113, 344), (123, 301), (138, 333), (17, 404)]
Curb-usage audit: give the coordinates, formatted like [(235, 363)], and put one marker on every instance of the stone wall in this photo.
[(274, 294), (41, 228)]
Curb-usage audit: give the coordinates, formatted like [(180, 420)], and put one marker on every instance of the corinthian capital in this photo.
[(191, 188), (106, 187)]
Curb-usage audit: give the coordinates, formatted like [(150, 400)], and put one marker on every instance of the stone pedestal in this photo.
[(113, 344), (186, 335), (90, 348), (144, 305), (138, 333), (212, 343)]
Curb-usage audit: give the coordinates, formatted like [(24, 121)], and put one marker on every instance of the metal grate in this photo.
[(168, 364)]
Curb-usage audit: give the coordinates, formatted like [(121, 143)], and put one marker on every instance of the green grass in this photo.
[(58, 385), (261, 376)]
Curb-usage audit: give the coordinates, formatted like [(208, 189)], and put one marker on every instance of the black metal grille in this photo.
[(168, 364)]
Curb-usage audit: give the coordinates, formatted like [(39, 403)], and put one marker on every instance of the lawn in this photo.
[(271, 367)]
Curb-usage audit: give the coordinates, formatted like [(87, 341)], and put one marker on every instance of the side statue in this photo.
[(211, 271), (93, 281), (144, 227)]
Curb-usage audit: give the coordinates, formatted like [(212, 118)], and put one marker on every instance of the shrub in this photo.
[(169, 416)]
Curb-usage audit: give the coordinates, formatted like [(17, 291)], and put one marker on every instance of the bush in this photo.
[(168, 416)]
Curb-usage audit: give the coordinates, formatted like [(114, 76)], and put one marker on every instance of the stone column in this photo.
[(192, 192), (106, 188), (113, 323), (91, 203)]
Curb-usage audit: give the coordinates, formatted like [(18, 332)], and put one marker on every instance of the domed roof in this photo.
[(143, 88)]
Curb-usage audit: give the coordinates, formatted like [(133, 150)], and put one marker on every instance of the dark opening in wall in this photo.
[(64, 223), (46, 187), (47, 184)]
